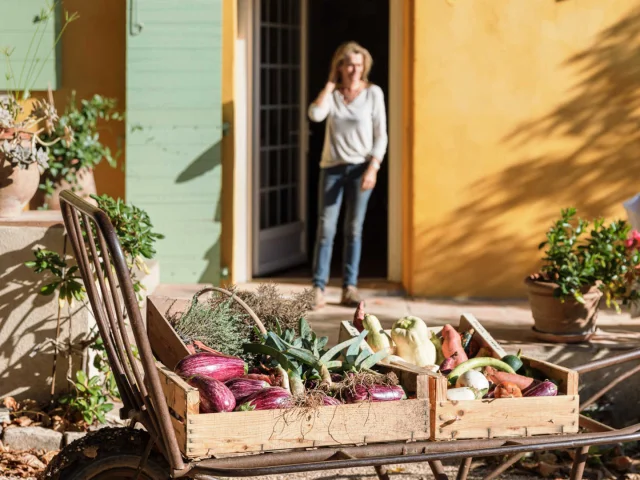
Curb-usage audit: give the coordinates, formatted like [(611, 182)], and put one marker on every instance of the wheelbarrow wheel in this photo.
[(109, 453)]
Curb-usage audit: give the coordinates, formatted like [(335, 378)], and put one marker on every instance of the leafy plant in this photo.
[(87, 398), (61, 276), (580, 254), (137, 241), (101, 362), (134, 230), (87, 151), (305, 358), (21, 142)]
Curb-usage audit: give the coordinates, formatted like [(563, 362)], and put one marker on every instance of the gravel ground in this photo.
[(415, 471)]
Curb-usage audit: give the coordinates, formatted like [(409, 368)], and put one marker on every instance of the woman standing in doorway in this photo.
[(355, 144)]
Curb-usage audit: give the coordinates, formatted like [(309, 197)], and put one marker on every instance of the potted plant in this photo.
[(24, 121), (72, 166), (23, 152), (584, 262)]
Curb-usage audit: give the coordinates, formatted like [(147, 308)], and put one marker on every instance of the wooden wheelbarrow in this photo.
[(157, 450)]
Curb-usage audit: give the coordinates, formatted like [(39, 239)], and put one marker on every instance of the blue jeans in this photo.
[(335, 183)]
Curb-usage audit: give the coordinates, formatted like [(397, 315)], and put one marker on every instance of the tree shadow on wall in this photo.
[(588, 159), (28, 324), (203, 165)]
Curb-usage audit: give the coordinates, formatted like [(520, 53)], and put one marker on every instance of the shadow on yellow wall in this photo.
[(583, 153)]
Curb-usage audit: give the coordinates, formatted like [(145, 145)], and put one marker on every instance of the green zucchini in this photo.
[(478, 362)]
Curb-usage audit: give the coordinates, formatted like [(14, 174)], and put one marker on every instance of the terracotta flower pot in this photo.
[(17, 185), (562, 322), (84, 187)]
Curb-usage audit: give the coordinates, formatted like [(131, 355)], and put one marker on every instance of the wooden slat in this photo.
[(438, 389), (468, 321), (183, 399), (283, 429), (593, 425), (181, 434), (165, 343), (505, 417), (567, 379)]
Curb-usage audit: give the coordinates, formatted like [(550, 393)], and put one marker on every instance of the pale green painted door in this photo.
[(174, 130)]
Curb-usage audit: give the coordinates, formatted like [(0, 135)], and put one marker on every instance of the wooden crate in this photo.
[(202, 435), (501, 417)]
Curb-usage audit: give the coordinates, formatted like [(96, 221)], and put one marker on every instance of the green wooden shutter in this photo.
[(18, 34), (174, 130)]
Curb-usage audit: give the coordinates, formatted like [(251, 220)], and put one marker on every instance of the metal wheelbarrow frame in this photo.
[(114, 303)]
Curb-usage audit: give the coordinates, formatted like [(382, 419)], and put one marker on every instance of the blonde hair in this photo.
[(350, 48)]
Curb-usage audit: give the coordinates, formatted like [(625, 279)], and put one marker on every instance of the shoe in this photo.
[(318, 298), (350, 297)]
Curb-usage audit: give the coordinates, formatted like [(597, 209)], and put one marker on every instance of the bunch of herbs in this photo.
[(219, 326), (224, 325), (274, 309)]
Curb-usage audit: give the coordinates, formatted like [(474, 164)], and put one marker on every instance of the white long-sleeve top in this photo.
[(355, 131)]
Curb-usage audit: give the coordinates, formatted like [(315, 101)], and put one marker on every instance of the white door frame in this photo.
[(244, 128)]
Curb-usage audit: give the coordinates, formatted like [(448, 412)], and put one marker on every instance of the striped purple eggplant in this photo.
[(245, 387), (330, 401), (212, 365), (214, 395), (266, 399), (374, 393), (541, 389)]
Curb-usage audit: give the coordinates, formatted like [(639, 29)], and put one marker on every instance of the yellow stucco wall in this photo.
[(517, 109), (93, 61), (93, 50)]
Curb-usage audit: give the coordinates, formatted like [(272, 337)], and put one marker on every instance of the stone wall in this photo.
[(28, 320)]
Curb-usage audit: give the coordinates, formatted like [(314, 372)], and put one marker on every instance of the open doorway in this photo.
[(330, 23)]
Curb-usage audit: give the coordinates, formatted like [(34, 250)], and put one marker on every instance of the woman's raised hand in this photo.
[(330, 86)]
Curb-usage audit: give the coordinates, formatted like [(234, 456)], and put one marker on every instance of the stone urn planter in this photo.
[(17, 185), (562, 322)]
